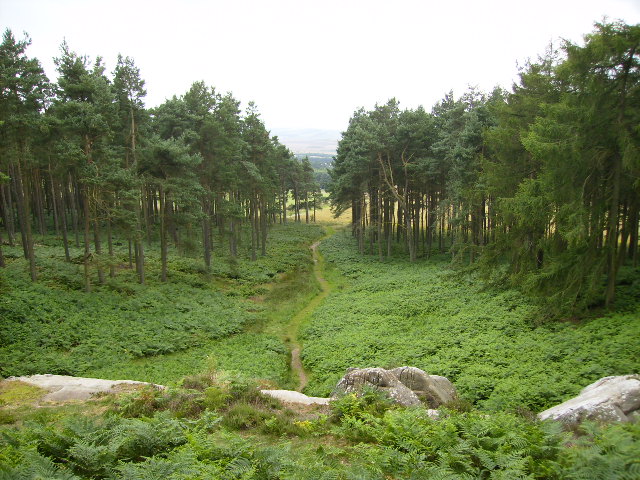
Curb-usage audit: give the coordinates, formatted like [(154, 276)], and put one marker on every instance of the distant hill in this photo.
[(303, 140), (319, 161)]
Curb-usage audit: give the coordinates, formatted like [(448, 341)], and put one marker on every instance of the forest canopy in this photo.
[(538, 186), (84, 159)]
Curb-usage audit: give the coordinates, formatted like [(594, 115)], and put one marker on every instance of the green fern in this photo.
[(37, 467)]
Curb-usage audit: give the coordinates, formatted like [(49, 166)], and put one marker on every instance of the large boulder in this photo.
[(433, 390), (404, 385), (609, 399)]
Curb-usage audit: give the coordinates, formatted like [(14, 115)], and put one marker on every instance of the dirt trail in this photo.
[(294, 325)]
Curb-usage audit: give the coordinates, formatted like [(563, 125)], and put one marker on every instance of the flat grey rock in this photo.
[(610, 399), (289, 396), (63, 388)]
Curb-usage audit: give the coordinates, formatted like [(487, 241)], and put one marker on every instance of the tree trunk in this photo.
[(2, 262), (284, 205), (263, 227), (36, 188), (206, 233), (633, 233), (233, 249), (22, 201), (75, 208), (7, 213), (379, 224), (59, 199), (87, 252), (112, 267), (253, 222), (139, 250), (612, 236), (163, 235), (98, 247), (54, 202)]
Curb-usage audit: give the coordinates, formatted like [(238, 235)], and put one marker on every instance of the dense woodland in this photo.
[(539, 185), (84, 159), (171, 245)]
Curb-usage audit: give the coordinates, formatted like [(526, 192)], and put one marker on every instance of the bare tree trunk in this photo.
[(38, 207), (263, 227), (633, 234), (163, 234), (206, 233), (380, 220), (612, 236), (54, 202), (22, 201), (284, 205), (75, 208), (2, 262), (98, 247), (87, 252), (253, 221), (233, 248), (59, 199), (112, 267), (390, 220), (361, 225), (7, 213), (138, 239)]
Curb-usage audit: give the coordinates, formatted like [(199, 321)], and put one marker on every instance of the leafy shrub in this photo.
[(370, 402), (141, 403), (215, 397), (243, 416), (607, 452)]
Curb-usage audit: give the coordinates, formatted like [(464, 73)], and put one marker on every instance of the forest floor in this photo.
[(217, 340)]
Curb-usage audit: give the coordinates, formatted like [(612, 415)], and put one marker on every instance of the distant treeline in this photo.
[(538, 186), (321, 163), (83, 158)]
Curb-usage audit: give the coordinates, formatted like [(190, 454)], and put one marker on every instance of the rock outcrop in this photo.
[(433, 390), (609, 399), (63, 388), (289, 396), (406, 386)]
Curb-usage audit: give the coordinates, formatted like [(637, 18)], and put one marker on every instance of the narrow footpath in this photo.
[(294, 326)]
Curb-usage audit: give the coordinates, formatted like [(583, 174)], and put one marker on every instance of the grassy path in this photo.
[(292, 329)]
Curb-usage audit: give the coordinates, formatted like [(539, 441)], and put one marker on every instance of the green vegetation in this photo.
[(539, 185), (483, 339), (96, 164), (168, 246), (156, 332), (222, 428)]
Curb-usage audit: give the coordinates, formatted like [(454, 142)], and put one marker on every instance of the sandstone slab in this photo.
[(610, 399), (64, 388), (290, 396)]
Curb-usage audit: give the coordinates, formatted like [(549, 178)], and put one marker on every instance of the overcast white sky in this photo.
[(310, 64)]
